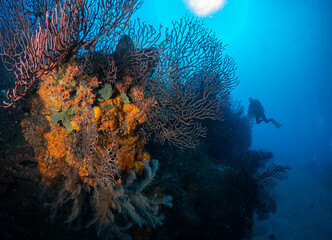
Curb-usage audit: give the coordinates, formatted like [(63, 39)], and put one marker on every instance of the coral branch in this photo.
[(34, 42)]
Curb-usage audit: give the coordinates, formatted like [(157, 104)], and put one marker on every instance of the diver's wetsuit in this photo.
[(256, 110)]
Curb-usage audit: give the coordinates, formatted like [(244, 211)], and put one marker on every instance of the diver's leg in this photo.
[(275, 123), (265, 119)]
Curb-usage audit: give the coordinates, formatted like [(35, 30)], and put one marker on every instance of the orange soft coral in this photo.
[(133, 116), (57, 141), (130, 153), (69, 88)]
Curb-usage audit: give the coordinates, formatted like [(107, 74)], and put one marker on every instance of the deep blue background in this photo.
[(284, 58)]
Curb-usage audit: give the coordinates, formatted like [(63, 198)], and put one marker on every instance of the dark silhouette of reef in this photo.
[(216, 189)]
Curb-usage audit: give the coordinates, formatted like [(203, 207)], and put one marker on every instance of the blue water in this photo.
[(283, 54), (282, 50)]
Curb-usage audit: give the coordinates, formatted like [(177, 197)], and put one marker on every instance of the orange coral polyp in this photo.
[(134, 116), (98, 113), (146, 156), (117, 102), (76, 125), (57, 141)]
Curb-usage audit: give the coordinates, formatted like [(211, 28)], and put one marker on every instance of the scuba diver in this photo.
[(256, 110)]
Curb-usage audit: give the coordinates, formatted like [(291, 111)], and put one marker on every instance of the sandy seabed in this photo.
[(304, 207)]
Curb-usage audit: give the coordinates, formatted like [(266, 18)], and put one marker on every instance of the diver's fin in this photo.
[(275, 123)]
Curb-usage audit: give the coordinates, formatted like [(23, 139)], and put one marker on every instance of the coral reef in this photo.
[(90, 138), (96, 89)]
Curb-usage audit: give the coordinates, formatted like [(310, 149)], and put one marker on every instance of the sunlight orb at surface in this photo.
[(203, 8)]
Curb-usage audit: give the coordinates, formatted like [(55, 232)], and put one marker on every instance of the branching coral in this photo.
[(104, 87), (37, 37)]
